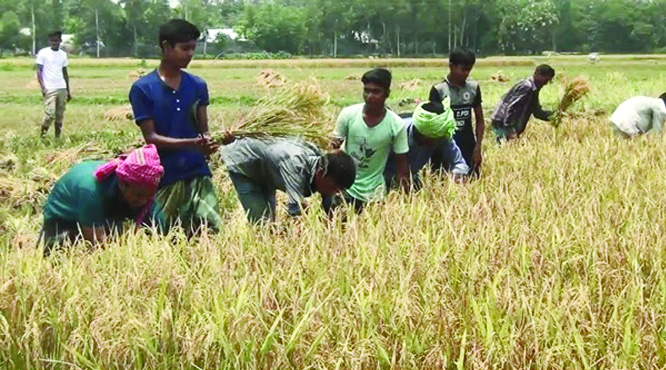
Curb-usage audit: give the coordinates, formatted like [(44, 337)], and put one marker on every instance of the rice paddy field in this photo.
[(554, 259)]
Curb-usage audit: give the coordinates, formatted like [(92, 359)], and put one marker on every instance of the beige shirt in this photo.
[(639, 115)]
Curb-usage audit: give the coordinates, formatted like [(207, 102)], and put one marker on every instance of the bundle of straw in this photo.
[(135, 75), (499, 77), (292, 111), (269, 78), (574, 90), (122, 113), (410, 85)]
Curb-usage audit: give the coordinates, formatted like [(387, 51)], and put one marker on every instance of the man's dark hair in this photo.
[(663, 97), (379, 76), (177, 31), (57, 34), (463, 57), (433, 107), (341, 167), (545, 70)]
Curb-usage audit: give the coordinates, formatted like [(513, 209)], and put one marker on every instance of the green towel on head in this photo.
[(435, 125)]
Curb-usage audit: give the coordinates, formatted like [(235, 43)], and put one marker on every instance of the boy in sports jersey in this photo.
[(465, 98)]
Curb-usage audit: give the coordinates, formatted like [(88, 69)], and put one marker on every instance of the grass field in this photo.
[(554, 259)]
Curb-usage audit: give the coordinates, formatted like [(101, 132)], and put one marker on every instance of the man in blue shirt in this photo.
[(169, 106), (430, 128)]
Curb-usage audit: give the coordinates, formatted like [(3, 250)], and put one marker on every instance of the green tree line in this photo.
[(347, 27)]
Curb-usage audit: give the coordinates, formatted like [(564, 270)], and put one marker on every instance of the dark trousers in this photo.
[(56, 233)]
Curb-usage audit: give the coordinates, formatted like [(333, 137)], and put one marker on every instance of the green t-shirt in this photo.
[(78, 197), (370, 147)]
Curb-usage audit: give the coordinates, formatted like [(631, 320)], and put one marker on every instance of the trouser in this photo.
[(257, 199), (56, 233), (439, 162), (55, 102), (191, 202), (503, 133)]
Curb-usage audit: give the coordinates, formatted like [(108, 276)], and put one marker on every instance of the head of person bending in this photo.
[(428, 119), (543, 75), (663, 97), (376, 88), (336, 172), (178, 41), (138, 175)]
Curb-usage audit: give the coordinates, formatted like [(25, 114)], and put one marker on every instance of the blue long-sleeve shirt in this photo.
[(419, 155)]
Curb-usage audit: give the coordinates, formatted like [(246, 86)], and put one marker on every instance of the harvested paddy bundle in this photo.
[(410, 85), (269, 78), (574, 90), (292, 111), (8, 162), (499, 76), (70, 156), (123, 113), (135, 75), (17, 192)]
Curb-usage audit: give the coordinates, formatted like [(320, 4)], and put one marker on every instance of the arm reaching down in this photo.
[(480, 128), (539, 112), (402, 171), (40, 78), (95, 235), (65, 74), (295, 185), (341, 129), (658, 113)]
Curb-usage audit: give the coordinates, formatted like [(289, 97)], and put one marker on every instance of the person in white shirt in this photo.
[(639, 115), (54, 81)]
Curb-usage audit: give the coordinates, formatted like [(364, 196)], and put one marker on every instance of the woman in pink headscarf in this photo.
[(95, 197)]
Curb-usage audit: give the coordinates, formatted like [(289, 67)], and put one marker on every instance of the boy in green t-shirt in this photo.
[(368, 132)]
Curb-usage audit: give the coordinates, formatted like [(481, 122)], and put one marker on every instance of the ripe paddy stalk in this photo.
[(554, 259)]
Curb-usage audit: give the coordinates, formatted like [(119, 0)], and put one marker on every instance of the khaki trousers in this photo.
[(54, 109)]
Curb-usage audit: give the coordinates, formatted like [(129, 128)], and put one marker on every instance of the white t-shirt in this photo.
[(639, 115), (53, 63)]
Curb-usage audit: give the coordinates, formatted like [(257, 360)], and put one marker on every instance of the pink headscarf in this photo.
[(141, 167)]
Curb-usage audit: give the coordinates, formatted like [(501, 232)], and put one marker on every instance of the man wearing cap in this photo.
[(430, 127), (94, 198)]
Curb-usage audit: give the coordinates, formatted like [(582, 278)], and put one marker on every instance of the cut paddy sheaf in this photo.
[(574, 90), (296, 110), (559, 243), (269, 78), (123, 113)]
